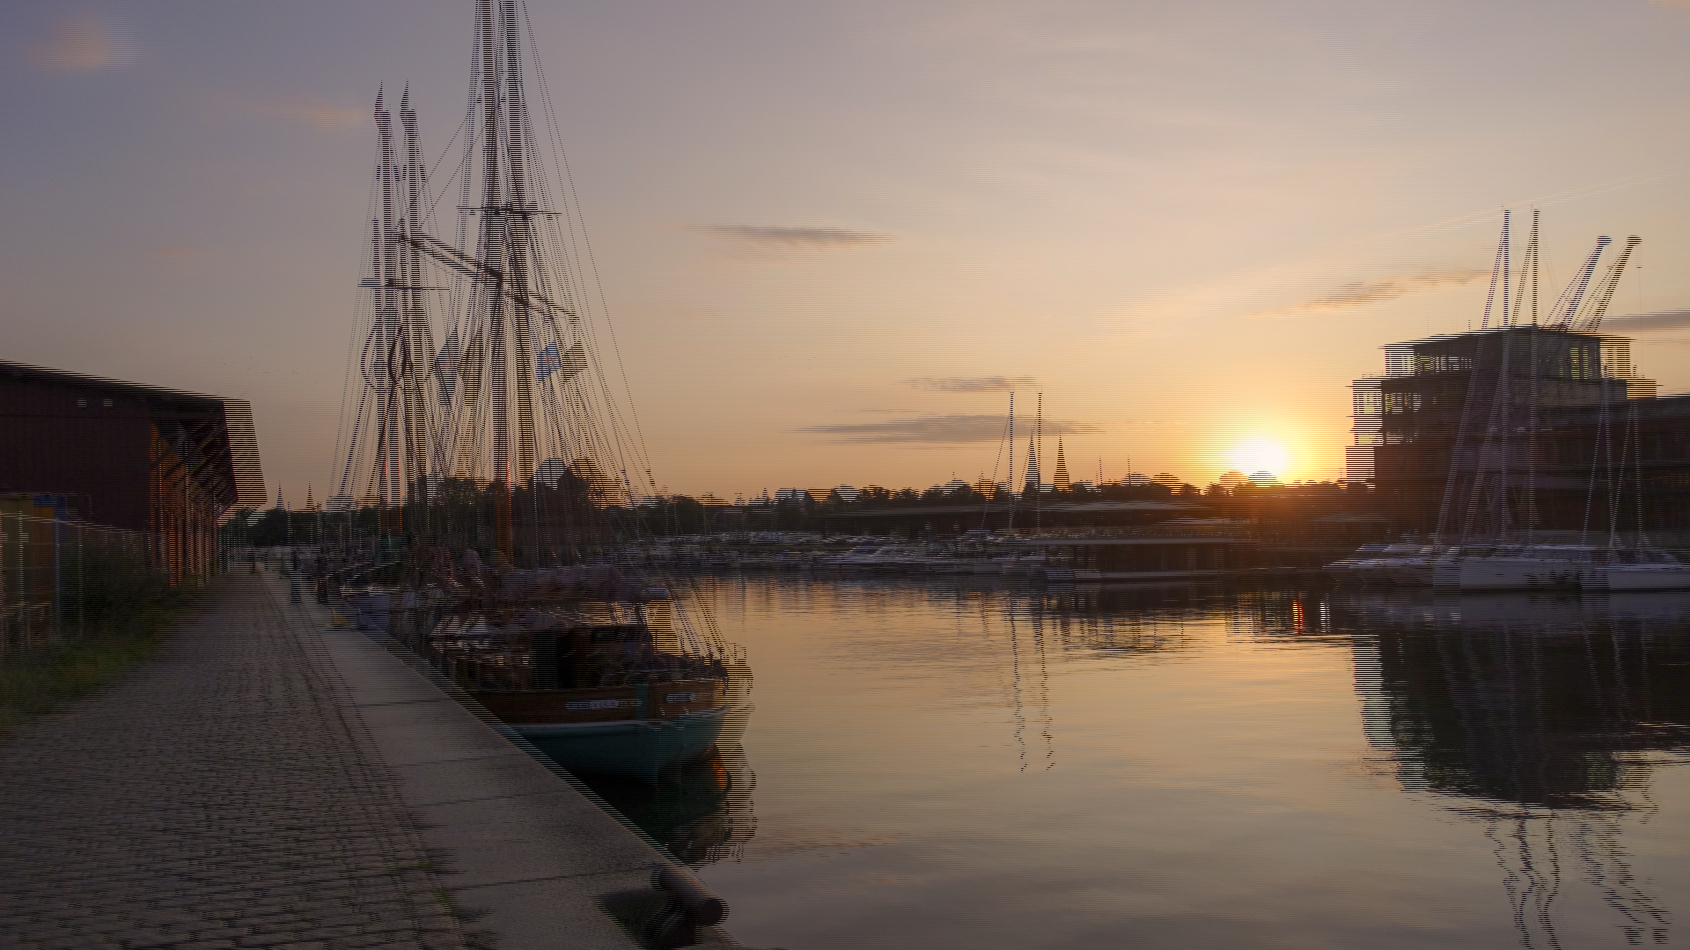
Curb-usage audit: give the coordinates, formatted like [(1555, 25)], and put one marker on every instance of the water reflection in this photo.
[(1527, 701), (701, 812), (1077, 622), (1040, 689), (1137, 622), (961, 765), (1539, 717)]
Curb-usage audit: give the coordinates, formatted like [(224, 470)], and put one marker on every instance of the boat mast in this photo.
[(492, 252), (1009, 526), (418, 342), (387, 323), (518, 242), (1038, 469), (505, 249)]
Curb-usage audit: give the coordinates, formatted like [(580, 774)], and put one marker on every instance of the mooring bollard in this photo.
[(691, 905)]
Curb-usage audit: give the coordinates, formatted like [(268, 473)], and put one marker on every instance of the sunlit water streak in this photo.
[(955, 766)]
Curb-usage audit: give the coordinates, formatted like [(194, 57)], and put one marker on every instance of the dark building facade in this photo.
[(148, 459), (1555, 424)]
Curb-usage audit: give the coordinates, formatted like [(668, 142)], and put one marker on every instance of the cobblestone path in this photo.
[(218, 799)]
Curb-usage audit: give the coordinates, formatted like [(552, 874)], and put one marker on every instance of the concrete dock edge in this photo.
[(530, 854)]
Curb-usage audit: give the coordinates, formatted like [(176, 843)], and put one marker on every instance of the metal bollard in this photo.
[(691, 905)]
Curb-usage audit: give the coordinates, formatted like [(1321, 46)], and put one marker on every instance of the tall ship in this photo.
[(491, 481)]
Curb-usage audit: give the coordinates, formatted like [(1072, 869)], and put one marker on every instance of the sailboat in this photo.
[(495, 475)]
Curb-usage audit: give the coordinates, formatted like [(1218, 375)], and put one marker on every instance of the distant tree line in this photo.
[(462, 511)]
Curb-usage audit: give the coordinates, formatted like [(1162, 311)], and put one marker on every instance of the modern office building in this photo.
[(1556, 423)]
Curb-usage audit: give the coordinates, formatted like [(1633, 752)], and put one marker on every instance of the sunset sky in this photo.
[(831, 236)]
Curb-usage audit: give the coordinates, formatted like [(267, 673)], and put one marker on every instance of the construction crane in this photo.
[(1574, 294), (1591, 321)]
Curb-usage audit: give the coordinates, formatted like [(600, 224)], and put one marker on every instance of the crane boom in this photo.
[(1592, 321), (1568, 305)]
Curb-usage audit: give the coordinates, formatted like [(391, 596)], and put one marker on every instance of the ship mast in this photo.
[(512, 418), (385, 464), (504, 245)]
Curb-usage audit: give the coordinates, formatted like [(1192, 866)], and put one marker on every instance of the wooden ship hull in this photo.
[(627, 730), (635, 747), (614, 698)]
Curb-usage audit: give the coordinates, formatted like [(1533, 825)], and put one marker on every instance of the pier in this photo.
[(282, 779)]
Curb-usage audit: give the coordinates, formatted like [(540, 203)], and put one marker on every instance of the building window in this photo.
[(82, 404)]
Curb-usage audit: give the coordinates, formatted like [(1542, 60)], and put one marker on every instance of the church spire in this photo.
[(1059, 481)]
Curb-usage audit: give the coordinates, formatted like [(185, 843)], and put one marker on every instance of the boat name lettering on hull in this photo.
[(603, 704), (692, 697)]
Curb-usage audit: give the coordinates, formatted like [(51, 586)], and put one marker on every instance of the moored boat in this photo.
[(488, 460), (591, 664)]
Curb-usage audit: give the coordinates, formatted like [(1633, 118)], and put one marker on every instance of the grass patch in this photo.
[(131, 614), (42, 680)]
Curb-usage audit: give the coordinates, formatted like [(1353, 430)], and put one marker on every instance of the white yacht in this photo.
[(1586, 566)]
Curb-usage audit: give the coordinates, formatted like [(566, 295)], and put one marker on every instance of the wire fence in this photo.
[(56, 576)]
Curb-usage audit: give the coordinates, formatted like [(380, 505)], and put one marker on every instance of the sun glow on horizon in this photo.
[(1286, 457)]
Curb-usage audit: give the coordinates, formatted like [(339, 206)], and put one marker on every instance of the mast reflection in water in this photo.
[(1539, 717)]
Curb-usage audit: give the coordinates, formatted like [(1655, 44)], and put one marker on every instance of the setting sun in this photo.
[(1284, 457)]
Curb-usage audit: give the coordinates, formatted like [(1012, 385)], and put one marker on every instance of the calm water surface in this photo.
[(952, 767)]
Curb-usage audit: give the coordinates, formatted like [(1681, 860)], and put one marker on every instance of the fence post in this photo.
[(81, 582), (58, 582)]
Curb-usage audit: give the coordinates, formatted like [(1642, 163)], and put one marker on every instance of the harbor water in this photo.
[(968, 766)]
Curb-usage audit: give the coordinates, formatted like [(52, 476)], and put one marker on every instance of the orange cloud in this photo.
[(91, 44)]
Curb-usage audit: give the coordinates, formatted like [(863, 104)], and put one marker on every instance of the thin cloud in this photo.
[(794, 239), (323, 114), (1358, 294), (91, 44), (968, 384), (188, 254), (946, 430), (1648, 322), (329, 116)]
